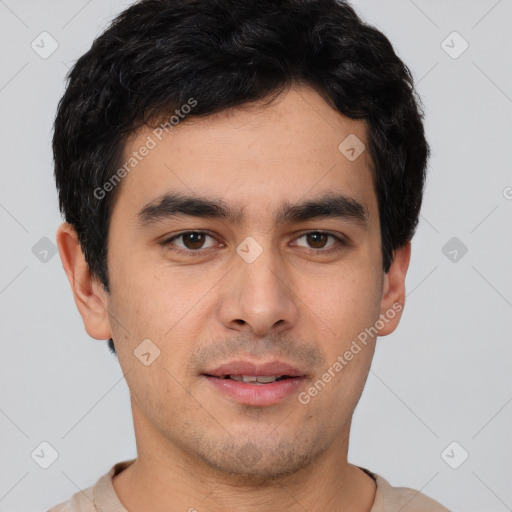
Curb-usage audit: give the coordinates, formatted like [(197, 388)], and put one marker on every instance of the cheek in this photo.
[(158, 304), (142, 295), (343, 319), (345, 302)]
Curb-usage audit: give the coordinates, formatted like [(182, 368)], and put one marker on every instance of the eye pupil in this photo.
[(317, 235), (197, 240)]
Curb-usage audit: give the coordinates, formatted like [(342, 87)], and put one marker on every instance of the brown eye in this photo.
[(318, 240), (193, 240), (192, 243)]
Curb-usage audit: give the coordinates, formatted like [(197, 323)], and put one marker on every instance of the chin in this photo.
[(260, 463)]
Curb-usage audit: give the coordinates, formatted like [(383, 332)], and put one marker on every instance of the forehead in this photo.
[(255, 157)]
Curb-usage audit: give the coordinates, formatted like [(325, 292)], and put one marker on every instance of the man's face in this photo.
[(250, 289)]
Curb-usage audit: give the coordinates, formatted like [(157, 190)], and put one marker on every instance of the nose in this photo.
[(258, 296)]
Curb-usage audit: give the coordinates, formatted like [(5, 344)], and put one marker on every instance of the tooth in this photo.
[(266, 379), (254, 379)]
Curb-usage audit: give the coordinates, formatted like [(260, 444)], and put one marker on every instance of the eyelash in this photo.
[(341, 243)]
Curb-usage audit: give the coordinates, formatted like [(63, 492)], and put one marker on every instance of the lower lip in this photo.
[(257, 394)]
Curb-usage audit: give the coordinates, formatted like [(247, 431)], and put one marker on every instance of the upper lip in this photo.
[(244, 367)]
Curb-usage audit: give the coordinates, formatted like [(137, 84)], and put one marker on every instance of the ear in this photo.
[(90, 296), (393, 292)]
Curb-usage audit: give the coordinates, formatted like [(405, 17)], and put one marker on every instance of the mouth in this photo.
[(253, 371), (256, 384), (255, 379)]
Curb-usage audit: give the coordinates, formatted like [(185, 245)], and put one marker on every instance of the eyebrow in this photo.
[(172, 205)]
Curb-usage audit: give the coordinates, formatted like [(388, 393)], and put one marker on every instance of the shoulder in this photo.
[(81, 501), (100, 496), (389, 498)]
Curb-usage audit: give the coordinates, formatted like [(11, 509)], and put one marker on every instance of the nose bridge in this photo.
[(260, 265), (256, 291)]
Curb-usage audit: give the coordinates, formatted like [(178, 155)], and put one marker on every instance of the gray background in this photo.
[(444, 376)]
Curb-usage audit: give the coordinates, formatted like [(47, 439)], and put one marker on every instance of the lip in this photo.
[(261, 395), (241, 367), (246, 393)]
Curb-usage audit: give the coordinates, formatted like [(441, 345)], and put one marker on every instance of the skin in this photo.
[(196, 447)]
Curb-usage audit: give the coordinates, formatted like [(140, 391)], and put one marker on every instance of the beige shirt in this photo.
[(103, 498)]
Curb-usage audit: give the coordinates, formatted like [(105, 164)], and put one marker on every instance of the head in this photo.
[(288, 138)]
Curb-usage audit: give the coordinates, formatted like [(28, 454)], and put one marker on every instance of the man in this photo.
[(240, 181)]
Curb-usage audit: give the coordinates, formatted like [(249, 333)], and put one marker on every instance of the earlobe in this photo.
[(90, 297), (393, 293)]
